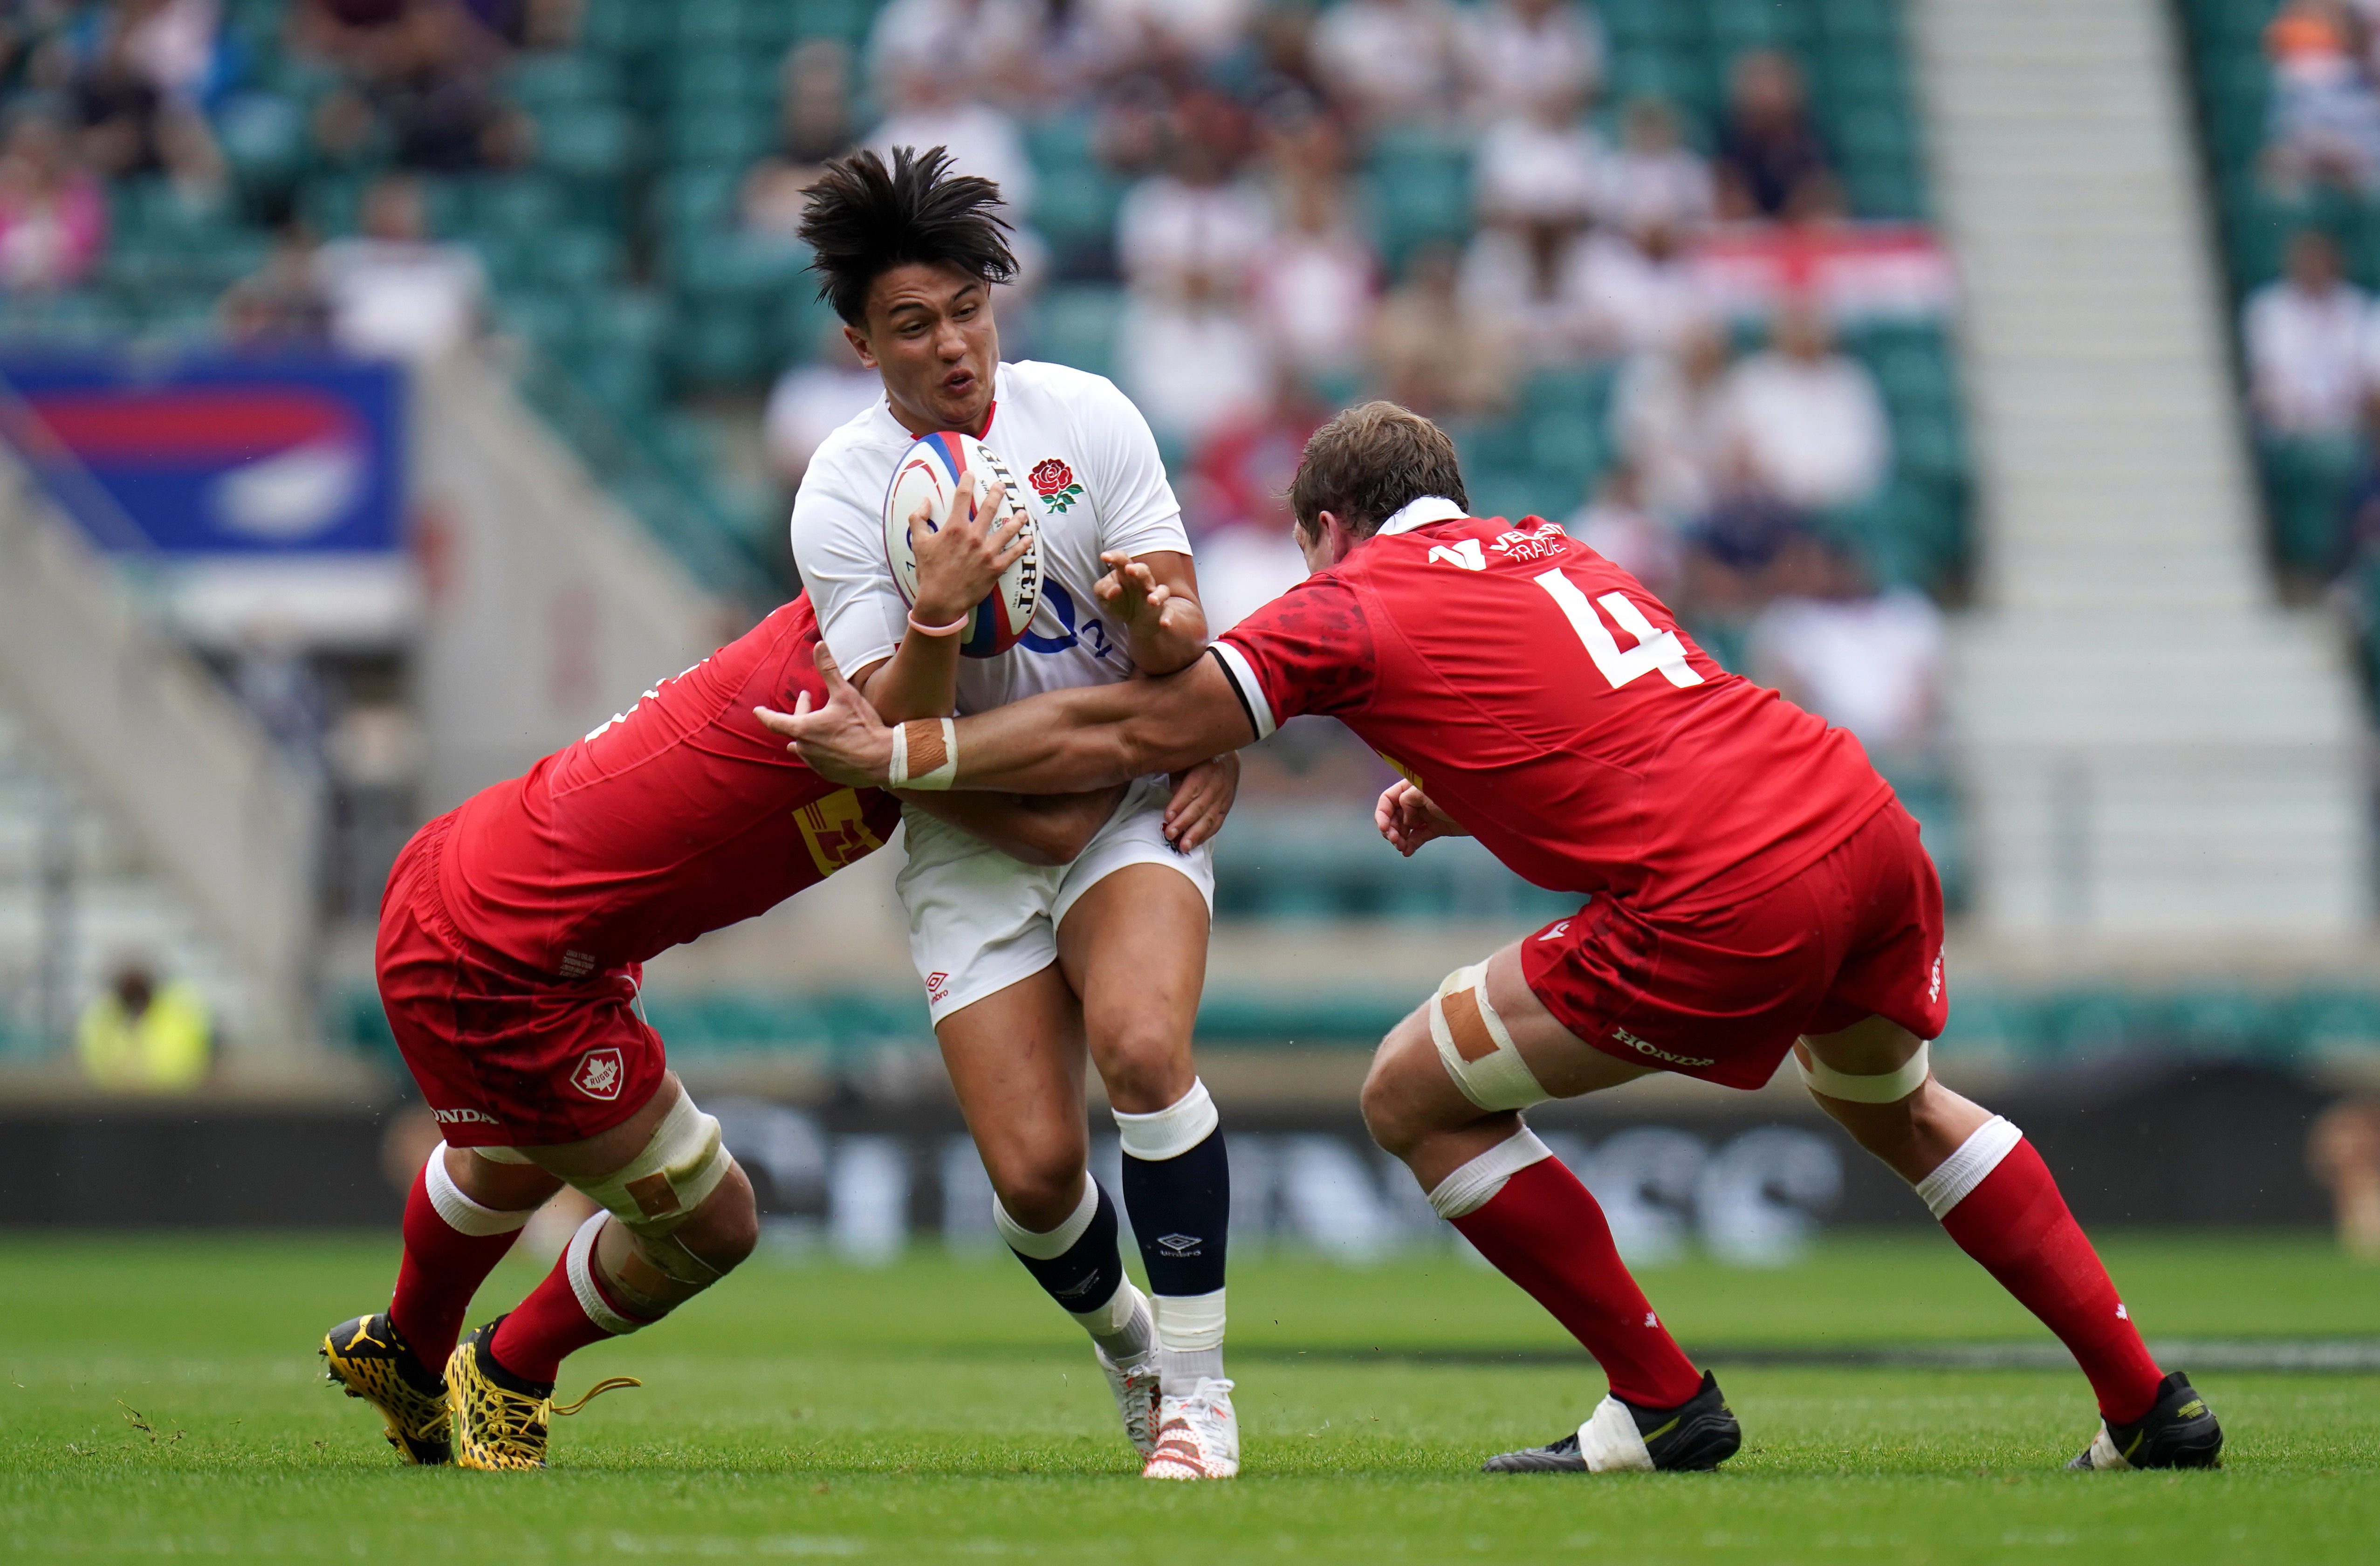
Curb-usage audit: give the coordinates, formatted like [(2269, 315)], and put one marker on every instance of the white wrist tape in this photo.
[(1170, 1132), (1885, 1088), (925, 754), (1475, 1048), (1474, 1184), (1964, 1170), (460, 1212)]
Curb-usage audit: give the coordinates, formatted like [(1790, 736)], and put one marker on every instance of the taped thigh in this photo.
[(1475, 1048), (1881, 1087), (657, 1191)]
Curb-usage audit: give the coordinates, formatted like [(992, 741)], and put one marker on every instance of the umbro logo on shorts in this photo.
[(599, 1074), (463, 1117), (1180, 1244)]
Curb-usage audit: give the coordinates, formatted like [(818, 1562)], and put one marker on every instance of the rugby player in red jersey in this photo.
[(1753, 890), (512, 939)]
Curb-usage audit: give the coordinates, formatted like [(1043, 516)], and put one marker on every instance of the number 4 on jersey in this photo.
[(1654, 650)]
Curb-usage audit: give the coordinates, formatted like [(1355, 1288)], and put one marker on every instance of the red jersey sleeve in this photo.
[(1308, 650)]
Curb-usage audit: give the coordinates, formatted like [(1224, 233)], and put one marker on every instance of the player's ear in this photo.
[(858, 341)]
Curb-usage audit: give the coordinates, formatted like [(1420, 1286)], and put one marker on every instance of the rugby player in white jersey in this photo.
[(1029, 967)]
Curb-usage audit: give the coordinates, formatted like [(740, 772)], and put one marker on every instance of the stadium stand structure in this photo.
[(2153, 747), (202, 867)]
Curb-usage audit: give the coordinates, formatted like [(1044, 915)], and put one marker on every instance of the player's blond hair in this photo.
[(1370, 463)]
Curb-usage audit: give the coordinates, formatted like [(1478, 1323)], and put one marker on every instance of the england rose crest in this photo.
[(1054, 482)]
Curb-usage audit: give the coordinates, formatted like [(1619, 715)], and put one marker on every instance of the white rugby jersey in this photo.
[(1093, 482)]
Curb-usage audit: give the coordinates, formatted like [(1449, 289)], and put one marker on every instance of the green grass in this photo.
[(938, 1409)]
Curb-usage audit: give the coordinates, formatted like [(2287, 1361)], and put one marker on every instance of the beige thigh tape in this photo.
[(1474, 1047)]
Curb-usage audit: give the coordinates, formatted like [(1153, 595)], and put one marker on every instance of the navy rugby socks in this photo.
[(1177, 1184)]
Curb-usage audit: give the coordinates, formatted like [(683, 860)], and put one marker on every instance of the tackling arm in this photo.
[(1057, 743)]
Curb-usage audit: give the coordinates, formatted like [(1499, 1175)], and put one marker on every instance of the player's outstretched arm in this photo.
[(1058, 743)]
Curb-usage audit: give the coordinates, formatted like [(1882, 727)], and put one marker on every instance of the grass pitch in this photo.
[(160, 1396)]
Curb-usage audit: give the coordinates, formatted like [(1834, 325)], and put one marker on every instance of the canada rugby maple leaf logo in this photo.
[(599, 1074), (1054, 482)]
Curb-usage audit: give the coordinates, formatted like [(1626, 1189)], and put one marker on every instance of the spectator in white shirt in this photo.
[(1315, 283), (1864, 661), (1637, 291), (1520, 52), (929, 111), (812, 400), (1543, 165), (1388, 62), (396, 293), (2306, 344), (1190, 359), (1804, 422), (1194, 218), (1665, 420), (1654, 177)]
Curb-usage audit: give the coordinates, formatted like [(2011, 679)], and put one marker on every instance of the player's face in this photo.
[(929, 334)]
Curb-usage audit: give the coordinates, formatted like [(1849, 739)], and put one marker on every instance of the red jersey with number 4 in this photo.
[(1544, 699), (679, 816)]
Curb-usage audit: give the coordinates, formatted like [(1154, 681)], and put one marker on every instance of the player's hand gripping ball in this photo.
[(933, 469)]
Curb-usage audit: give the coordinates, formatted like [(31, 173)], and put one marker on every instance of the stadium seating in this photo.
[(2305, 485)]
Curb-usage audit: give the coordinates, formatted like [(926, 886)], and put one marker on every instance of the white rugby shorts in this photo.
[(980, 922)]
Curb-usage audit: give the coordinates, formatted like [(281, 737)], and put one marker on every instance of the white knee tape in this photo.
[(502, 1155), (683, 1162), (1964, 1170), (462, 1214), (1477, 1051), (1475, 1184), (1055, 1242), (578, 1264), (1169, 1132), (1883, 1087)]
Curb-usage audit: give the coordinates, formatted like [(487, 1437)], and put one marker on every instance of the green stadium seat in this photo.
[(846, 19), (1737, 25), (586, 141), (720, 136), (622, 28), (1867, 21), (1076, 324), (2306, 484), (525, 205), (264, 138), (1418, 190), (543, 81)]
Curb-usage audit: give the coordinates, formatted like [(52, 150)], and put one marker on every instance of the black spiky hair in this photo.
[(864, 219)]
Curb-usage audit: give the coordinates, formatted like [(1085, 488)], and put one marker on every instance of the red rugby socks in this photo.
[(2011, 1219), (575, 1306), (451, 1244), (1543, 1230)]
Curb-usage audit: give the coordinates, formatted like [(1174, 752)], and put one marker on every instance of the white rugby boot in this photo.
[(1197, 1436), (1136, 1388)]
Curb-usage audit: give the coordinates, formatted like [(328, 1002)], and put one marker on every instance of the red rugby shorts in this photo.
[(1722, 995), (503, 1055)]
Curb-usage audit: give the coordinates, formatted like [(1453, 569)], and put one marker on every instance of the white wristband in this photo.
[(925, 754)]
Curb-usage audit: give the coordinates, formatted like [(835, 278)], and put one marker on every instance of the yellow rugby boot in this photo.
[(370, 1359), (499, 1419)]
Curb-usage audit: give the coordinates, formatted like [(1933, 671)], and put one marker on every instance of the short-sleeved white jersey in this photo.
[(1093, 482)]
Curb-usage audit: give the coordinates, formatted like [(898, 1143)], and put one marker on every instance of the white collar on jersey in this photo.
[(1420, 513)]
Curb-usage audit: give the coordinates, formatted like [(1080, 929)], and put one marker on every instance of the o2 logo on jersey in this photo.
[(1092, 635), (600, 1073)]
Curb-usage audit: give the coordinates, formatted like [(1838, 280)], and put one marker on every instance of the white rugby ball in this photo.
[(934, 468)]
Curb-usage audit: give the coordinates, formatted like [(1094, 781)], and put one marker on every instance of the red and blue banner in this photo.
[(219, 454)]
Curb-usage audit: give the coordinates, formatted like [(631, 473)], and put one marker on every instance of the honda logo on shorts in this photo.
[(599, 1074)]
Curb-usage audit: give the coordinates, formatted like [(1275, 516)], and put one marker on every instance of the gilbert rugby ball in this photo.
[(934, 468)]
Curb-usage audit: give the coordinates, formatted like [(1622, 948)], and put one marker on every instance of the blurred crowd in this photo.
[(1257, 299), (1249, 140)]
